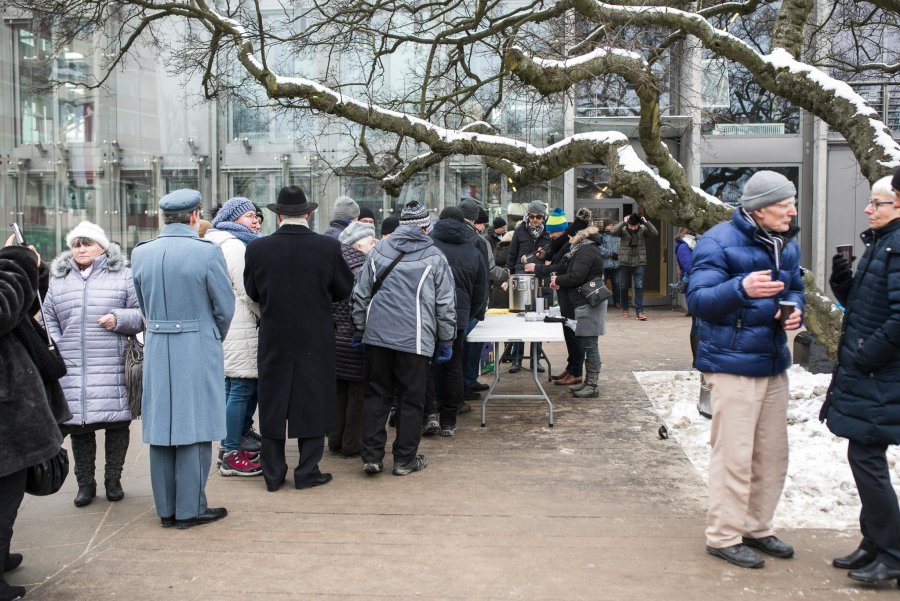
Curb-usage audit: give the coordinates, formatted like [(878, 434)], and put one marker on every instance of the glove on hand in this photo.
[(840, 269), (445, 353), (356, 341), (615, 256)]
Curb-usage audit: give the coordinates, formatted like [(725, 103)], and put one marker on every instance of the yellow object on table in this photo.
[(497, 312)]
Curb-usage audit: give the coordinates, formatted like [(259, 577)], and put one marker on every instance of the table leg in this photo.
[(534, 375)]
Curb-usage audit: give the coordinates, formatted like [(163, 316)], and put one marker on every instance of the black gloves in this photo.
[(840, 269), (615, 256)]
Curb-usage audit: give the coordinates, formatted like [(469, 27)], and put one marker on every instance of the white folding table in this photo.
[(498, 329)]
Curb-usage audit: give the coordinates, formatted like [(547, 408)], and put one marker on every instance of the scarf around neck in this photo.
[(241, 232)]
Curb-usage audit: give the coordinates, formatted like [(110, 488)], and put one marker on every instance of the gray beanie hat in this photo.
[(355, 232), (765, 188), (345, 207), (469, 209), (537, 208)]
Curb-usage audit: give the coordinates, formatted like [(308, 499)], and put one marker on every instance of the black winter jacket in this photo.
[(863, 403), (31, 404), (351, 362), (585, 264), (559, 264), (468, 268), (523, 243), (499, 296)]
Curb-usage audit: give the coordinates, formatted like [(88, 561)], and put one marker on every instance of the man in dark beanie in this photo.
[(366, 215), (497, 231), (388, 225), (404, 310), (472, 351), (741, 270), (633, 259)]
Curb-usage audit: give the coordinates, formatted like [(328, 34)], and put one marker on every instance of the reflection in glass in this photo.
[(33, 51), (726, 183)]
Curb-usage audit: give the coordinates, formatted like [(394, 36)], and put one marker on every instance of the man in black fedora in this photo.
[(295, 275)]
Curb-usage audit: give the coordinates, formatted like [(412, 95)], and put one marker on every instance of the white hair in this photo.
[(883, 187)]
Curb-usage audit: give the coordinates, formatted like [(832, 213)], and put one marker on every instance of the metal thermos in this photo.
[(522, 291)]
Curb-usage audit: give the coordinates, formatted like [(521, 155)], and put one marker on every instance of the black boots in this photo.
[(590, 388), (9, 593), (85, 495), (114, 490)]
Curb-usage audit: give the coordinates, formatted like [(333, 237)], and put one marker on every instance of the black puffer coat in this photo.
[(863, 403), (467, 266), (351, 362), (559, 264), (585, 264), (31, 404)]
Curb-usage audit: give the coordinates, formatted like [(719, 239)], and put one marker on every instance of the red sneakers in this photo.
[(237, 463)]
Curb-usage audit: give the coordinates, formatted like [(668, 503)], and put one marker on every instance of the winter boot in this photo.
[(590, 388), (578, 387)]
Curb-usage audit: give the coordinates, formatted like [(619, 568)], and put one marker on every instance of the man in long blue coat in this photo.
[(183, 289)]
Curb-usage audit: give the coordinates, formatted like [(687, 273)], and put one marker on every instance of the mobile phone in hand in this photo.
[(17, 231)]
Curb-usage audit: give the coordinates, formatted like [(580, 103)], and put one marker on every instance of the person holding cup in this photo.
[(863, 402), (742, 270)]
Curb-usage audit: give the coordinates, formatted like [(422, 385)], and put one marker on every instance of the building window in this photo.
[(74, 69), (34, 73)]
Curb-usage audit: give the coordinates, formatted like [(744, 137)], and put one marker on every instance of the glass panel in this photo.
[(76, 104), (141, 209), (38, 214), (726, 183), (367, 193), (258, 188), (892, 118), (34, 72), (748, 109)]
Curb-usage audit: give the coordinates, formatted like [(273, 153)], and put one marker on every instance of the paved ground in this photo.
[(597, 507)]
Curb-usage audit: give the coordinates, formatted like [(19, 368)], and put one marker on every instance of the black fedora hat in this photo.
[(292, 201)]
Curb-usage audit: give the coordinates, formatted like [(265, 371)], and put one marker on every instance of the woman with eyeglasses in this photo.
[(863, 403), (529, 242), (91, 308)]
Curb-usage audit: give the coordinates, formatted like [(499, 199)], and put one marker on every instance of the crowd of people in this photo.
[(343, 335)]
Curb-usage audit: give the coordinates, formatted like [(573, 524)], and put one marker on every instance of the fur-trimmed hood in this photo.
[(63, 263), (584, 234)]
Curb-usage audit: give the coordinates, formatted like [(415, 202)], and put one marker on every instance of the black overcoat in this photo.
[(295, 275)]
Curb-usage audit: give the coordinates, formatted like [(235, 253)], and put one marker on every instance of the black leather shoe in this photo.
[(472, 396), (771, 545), (209, 516), (320, 480), (8, 592), (85, 495), (478, 387), (168, 522), (858, 559), (875, 572), (739, 555), (13, 560), (114, 490)]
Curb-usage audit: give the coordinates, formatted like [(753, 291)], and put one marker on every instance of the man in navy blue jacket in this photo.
[(742, 270)]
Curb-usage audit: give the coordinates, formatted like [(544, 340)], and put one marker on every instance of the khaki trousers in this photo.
[(749, 455)]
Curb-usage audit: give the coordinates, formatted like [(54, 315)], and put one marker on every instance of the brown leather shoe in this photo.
[(561, 376), (569, 380)]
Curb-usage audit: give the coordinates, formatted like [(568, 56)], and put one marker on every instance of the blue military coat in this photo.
[(183, 289)]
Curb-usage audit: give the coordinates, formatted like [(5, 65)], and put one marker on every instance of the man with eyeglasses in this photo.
[(742, 270), (863, 403), (530, 241)]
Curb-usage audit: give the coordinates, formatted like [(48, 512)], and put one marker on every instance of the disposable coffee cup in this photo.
[(845, 250), (787, 309)]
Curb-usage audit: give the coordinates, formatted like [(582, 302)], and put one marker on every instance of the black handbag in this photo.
[(134, 375), (47, 477), (595, 291)]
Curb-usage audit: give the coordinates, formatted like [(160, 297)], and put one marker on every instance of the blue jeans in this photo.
[(627, 273), (239, 394)]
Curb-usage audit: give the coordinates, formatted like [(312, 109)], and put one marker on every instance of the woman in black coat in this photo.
[(31, 400), (585, 264), (863, 403)]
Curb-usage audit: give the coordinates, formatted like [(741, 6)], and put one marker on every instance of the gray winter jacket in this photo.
[(416, 305), (94, 384)]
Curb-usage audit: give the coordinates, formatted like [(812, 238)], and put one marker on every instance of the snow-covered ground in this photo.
[(819, 492)]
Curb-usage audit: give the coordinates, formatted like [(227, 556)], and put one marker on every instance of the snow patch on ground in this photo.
[(819, 491)]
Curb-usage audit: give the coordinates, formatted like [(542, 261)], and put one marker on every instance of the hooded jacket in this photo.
[(416, 305), (863, 403), (739, 334), (94, 384), (631, 255), (467, 266)]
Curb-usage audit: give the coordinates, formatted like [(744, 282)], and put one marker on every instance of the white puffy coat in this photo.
[(242, 341)]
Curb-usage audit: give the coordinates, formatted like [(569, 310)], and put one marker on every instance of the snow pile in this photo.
[(819, 491)]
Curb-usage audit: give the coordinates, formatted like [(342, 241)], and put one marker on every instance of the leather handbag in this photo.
[(595, 291), (47, 477), (134, 375)]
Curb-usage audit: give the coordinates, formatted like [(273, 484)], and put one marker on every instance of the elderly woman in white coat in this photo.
[(90, 309), (235, 225)]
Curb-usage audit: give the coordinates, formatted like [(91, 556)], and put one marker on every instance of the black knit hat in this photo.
[(582, 221), (482, 216), (454, 213), (895, 181), (499, 222), (389, 224), (634, 219)]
